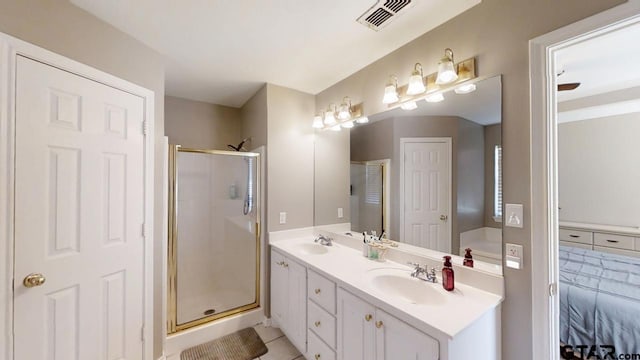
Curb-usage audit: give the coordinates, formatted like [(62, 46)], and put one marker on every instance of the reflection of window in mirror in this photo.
[(373, 184), (497, 183)]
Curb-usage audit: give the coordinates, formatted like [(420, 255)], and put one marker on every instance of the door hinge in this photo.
[(553, 289), (145, 127), (142, 334), (143, 232)]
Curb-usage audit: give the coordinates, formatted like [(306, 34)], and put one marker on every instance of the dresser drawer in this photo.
[(322, 324), (322, 291), (576, 245), (615, 241), (317, 350), (585, 237)]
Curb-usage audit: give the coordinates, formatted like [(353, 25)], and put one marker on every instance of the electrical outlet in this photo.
[(283, 218), (340, 213), (514, 256)]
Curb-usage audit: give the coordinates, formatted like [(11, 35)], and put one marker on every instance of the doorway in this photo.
[(425, 192), (546, 207)]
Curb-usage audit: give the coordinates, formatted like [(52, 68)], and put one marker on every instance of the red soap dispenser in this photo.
[(447, 274), (468, 259)]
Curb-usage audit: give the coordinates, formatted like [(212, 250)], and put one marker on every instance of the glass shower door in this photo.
[(214, 245)]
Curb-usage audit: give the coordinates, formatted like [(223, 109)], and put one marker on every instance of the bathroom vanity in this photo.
[(333, 303)]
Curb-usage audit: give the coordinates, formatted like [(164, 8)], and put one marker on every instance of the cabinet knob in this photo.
[(317, 323), (368, 317), (317, 356), (379, 324), (317, 291)]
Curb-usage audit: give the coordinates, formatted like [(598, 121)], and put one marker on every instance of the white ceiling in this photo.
[(483, 106), (604, 64), (223, 51)]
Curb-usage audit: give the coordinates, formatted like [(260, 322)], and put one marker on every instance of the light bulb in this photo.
[(362, 120), (317, 122), (411, 105), (446, 71), (345, 112), (390, 94), (416, 82), (435, 98), (347, 124), (329, 118), (465, 88)]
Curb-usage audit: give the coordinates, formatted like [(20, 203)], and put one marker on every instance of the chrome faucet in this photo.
[(324, 240), (423, 273)]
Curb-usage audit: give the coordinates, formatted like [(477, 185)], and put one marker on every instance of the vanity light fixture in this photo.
[(446, 71), (437, 97), (329, 117), (465, 88), (344, 112), (317, 122), (391, 91), (416, 81), (409, 105), (362, 120)]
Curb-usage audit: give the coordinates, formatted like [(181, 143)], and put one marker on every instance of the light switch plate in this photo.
[(283, 218), (514, 215)]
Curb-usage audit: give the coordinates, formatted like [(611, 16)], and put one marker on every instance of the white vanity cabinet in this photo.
[(289, 298), (365, 332)]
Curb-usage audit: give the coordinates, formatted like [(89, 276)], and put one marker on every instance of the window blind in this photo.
[(373, 184), (497, 181)]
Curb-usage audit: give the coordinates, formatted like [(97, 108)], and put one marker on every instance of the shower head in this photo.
[(240, 147)]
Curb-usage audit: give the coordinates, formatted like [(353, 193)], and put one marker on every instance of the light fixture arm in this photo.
[(448, 54), (417, 69)]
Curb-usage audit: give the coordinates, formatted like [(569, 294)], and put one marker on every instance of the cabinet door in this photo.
[(397, 340), (356, 332), (297, 311), (279, 289)]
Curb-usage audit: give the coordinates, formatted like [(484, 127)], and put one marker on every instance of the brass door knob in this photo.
[(444, 217), (317, 291), (317, 324), (33, 280), (368, 317), (379, 324), (317, 356)]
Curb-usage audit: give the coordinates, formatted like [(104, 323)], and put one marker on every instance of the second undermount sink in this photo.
[(399, 284), (311, 249)]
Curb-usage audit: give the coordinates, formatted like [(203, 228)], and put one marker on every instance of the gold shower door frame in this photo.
[(172, 256)]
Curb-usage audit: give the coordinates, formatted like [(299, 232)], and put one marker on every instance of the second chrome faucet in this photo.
[(423, 273)]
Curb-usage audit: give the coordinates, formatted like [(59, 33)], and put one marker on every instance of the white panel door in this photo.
[(279, 289), (78, 217), (427, 194)]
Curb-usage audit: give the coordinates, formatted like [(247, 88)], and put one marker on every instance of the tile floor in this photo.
[(279, 346)]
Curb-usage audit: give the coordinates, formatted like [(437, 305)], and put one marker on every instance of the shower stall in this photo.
[(214, 235)]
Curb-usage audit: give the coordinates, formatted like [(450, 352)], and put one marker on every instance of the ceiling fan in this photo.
[(567, 86)]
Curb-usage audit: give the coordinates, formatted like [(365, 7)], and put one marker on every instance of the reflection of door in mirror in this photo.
[(425, 192), (369, 196)]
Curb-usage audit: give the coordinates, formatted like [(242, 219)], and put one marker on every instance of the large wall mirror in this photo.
[(429, 177)]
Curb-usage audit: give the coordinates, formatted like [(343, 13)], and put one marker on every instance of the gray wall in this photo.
[(497, 32), (470, 180), (254, 118), (58, 26), (290, 157), (599, 170), (331, 162), (200, 125)]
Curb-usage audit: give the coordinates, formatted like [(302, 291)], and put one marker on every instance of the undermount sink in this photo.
[(399, 284), (311, 249)]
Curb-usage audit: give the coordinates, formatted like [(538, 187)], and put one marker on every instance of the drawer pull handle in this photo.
[(574, 236), (379, 324), (368, 317), (317, 291), (613, 241), (317, 356), (317, 323)]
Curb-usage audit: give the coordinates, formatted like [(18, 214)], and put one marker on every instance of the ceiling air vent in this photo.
[(382, 12)]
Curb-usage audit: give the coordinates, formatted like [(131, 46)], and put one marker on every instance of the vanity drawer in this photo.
[(322, 291), (317, 350), (322, 324), (616, 241), (576, 245), (585, 237)]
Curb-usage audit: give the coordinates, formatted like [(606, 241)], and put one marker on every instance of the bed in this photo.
[(599, 299)]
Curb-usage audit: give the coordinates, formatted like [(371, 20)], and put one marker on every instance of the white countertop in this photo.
[(351, 271)]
